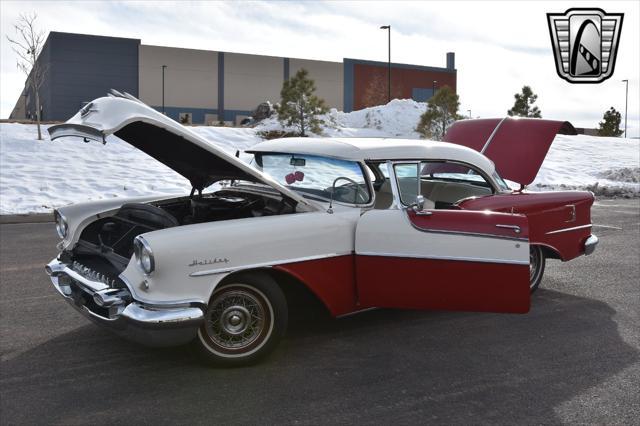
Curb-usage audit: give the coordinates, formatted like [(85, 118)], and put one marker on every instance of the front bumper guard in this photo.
[(115, 309)]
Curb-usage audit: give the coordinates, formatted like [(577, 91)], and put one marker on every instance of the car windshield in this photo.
[(315, 176)]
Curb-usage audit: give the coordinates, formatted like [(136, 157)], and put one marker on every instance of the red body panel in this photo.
[(425, 284), (517, 146), (546, 212), (471, 222), (331, 279)]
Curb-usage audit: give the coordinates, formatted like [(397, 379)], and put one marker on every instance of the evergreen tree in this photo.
[(299, 106), (442, 111), (610, 124), (524, 104)]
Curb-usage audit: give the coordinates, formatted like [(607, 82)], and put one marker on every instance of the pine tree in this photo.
[(610, 124), (299, 106), (524, 104), (442, 111)]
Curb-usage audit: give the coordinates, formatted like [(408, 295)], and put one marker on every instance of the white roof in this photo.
[(376, 149)]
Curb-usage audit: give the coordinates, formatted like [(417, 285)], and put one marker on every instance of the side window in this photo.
[(445, 183), (408, 181)]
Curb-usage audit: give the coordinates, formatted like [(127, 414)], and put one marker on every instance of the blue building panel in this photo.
[(85, 67), (421, 95)]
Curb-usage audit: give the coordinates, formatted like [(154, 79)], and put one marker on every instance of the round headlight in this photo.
[(61, 224), (143, 255)]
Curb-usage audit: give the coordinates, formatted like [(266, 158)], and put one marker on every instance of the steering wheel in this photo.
[(359, 192)]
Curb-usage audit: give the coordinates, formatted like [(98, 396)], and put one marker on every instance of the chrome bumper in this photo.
[(115, 309), (590, 244)]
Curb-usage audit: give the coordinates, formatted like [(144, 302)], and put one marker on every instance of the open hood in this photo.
[(174, 145), (517, 146)]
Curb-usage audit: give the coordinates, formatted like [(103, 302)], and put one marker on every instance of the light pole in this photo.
[(388, 28), (626, 102), (469, 111), (163, 68), (433, 89)]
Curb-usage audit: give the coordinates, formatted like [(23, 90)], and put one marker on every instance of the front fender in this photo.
[(191, 260)]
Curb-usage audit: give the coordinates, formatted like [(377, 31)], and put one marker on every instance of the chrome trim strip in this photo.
[(575, 228), (454, 258), (463, 233), (486, 144), (515, 228), (265, 264)]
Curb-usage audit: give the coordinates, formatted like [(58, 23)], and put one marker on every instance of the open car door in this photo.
[(443, 259)]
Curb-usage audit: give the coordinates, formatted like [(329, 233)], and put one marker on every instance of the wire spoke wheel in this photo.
[(536, 267), (238, 322)]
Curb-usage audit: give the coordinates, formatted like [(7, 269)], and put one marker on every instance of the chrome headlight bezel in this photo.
[(143, 255), (62, 228)]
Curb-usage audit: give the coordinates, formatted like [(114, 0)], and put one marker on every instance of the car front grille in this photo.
[(94, 275)]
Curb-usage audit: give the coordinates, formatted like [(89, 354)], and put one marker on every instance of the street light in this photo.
[(626, 102), (388, 28), (163, 68), (469, 111), (433, 90)]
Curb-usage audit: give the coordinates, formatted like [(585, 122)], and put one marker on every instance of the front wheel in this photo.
[(537, 262), (244, 321)]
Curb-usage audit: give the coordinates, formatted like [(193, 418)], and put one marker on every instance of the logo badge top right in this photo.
[(585, 43)]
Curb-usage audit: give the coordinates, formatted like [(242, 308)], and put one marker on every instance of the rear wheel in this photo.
[(244, 321), (537, 262)]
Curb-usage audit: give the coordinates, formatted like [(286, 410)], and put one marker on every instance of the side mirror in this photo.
[(418, 204), (418, 207)]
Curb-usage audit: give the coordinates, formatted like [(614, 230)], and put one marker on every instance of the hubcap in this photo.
[(237, 320)]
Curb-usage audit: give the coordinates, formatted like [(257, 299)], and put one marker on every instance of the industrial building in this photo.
[(207, 87)]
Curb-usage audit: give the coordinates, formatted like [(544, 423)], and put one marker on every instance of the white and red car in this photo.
[(358, 223)]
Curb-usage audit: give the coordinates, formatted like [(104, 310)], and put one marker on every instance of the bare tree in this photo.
[(28, 45)]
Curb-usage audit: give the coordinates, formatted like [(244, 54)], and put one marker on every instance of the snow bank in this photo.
[(606, 166), (37, 176), (398, 118)]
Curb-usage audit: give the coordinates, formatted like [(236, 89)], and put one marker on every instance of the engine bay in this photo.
[(109, 240)]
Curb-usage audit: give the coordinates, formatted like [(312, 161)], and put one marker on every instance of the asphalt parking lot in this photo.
[(575, 358)]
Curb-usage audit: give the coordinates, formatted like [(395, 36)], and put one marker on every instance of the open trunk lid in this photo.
[(174, 145), (517, 146)]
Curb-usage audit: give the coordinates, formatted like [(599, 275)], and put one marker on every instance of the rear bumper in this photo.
[(590, 244), (115, 309)]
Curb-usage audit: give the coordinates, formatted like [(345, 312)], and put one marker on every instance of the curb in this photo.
[(26, 218)]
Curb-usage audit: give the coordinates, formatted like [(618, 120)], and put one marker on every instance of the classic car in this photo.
[(356, 223)]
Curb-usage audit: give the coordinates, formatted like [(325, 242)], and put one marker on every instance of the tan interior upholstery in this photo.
[(450, 192)]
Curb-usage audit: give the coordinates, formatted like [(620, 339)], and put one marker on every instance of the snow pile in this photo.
[(37, 176), (606, 166), (398, 118)]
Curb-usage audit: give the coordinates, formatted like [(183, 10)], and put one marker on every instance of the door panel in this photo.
[(449, 259)]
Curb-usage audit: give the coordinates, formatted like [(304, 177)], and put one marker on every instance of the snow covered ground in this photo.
[(37, 176)]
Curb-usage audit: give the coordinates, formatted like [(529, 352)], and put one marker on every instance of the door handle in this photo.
[(515, 228), (423, 213)]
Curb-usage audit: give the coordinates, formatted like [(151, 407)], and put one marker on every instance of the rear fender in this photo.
[(558, 221)]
